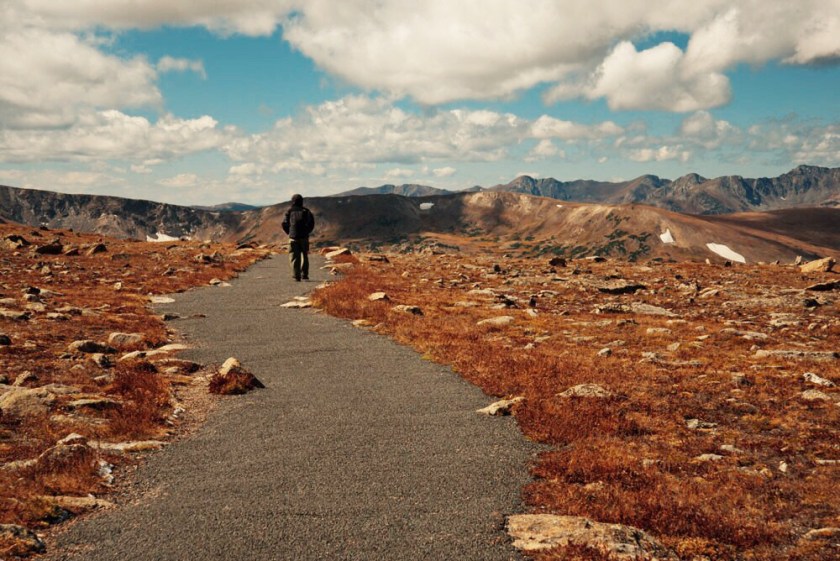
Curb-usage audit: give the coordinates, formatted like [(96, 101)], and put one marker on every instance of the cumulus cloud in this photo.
[(114, 135), (446, 171), (172, 64), (399, 173), (47, 78), (180, 180), (372, 130)]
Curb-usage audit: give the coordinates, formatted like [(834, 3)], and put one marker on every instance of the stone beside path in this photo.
[(356, 448)]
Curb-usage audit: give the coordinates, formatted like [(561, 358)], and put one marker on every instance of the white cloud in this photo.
[(446, 171), (546, 127), (180, 180), (660, 154), (171, 64), (544, 149), (48, 78), (399, 173), (114, 135)]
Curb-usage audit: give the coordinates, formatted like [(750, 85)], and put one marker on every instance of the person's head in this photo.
[(297, 200)]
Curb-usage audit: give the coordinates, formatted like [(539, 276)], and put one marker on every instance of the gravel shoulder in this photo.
[(357, 448)]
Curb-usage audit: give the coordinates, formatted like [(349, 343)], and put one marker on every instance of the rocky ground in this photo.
[(692, 409), (89, 375)]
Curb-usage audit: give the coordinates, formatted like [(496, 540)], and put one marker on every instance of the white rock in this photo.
[(817, 380), (586, 390), (497, 321), (501, 407)]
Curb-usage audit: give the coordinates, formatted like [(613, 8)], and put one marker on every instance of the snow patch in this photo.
[(161, 237), (725, 252), (426, 206), (667, 237)]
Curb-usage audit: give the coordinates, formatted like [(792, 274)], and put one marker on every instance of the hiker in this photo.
[(299, 223)]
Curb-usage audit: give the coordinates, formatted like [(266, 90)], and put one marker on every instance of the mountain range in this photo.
[(690, 194), (516, 213)]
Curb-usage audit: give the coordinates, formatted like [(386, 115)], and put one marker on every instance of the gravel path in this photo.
[(357, 448)]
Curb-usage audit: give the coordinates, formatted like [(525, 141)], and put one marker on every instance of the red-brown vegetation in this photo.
[(702, 443), (86, 291)]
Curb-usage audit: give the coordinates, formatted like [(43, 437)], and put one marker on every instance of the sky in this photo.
[(212, 101)]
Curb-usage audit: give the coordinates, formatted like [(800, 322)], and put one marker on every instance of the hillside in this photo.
[(407, 190), (627, 231)]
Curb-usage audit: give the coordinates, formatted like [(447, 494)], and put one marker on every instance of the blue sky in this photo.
[(253, 100)]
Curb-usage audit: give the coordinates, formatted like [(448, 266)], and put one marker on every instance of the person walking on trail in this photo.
[(299, 223)]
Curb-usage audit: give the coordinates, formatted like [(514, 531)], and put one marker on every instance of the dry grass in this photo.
[(95, 295), (632, 458)]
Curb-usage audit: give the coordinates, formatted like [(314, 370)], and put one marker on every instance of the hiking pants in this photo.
[(299, 257)]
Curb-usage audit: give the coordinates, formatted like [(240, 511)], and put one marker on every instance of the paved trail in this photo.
[(357, 449)]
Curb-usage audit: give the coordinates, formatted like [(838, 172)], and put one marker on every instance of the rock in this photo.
[(98, 403), (126, 447), (648, 309), (606, 351), (173, 347), (121, 340), (828, 533), (19, 541), (96, 248), (819, 266), (595, 258), (378, 259), (89, 346), (797, 354), (180, 365), (587, 390), (233, 379), (697, 424), (14, 315), (534, 532), (378, 296), (56, 316), (5, 339), (619, 286), (729, 448), (14, 241), (824, 286), (25, 378), (215, 282), (658, 331), (337, 252), (748, 335), (557, 262), (76, 505), (101, 360), (26, 402), (499, 321), (501, 408), (815, 395), (72, 438), (362, 323), (708, 458), (161, 300), (52, 248), (406, 309), (297, 304), (817, 380)]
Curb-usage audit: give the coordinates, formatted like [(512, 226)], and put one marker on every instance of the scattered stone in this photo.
[(378, 258), (215, 282), (5, 339), (595, 258), (729, 448), (815, 395), (824, 286), (233, 379), (740, 379), (56, 316), (658, 331), (708, 458), (25, 378), (161, 300), (14, 315), (378, 297), (26, 402), (587, 390), (534, 532), (823, 534), (121, 340), (502, 407), (619, 286), (606, 351), (497, 321), (362, 323), (297, 304), (557, 262), (337, 252), (797, 354), (127, 447), (817, 380), (52, 248), (697, 424), (96, 248), (19, 541), (89, 346), (648, 309), (824, 265), (76, 505), (748, 335), (97, 403), (406, 309)]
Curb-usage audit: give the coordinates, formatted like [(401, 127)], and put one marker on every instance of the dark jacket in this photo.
[(298, 222)]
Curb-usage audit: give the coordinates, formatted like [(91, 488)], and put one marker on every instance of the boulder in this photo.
[(233, 379), (5, 339), (337, 252), (815, 395), (534, 532), (121, 340), (817, 380), (406, 309), (502, 407), (96, 248), (27, 402), (619, 286), (557, 262), (819, 266), (52, 248), (797, 354), (378, 297), (89, 346)]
